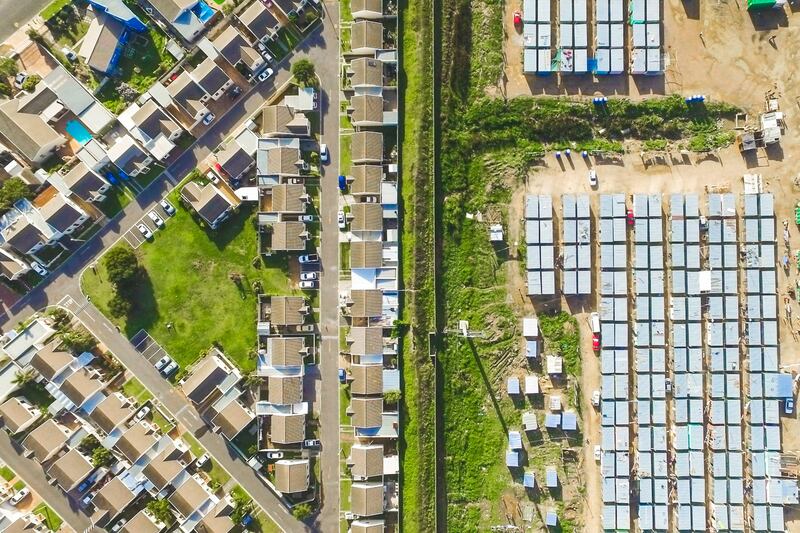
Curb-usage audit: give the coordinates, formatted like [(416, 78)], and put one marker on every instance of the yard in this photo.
[(51, 519), (6, 473), (133, 388), (288, 37), (187, 284), (116, 199), (215, 472), (67, 27)]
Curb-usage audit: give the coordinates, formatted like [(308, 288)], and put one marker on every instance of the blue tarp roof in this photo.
[(785, 389)]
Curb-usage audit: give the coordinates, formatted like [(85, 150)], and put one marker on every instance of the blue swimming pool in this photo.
[(78, 131), (203, 12)]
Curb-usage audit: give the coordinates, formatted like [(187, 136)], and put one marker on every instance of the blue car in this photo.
[(342, 183), (342, 375)]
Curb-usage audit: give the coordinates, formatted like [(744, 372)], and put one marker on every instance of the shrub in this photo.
[(121, 265), (61, 318), (119, 306), (102, 457), (161, 511), (78, 341), (8, 67), (301, 511), (12, 191), (304, 73), (31, 82)]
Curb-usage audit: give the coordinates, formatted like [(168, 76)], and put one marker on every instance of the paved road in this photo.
[(15, 13), (33, 475)]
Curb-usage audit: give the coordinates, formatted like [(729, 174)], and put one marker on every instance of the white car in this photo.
[(340, 220), (308, 284), (167, 207), (596, 398), (208, 119), (69, 54), (306, 218), (212, 177), (145, 231), (274, 455), (170, 368), (38, 268), (262, 48), (306, 276), (119, 525), (20, 495), (310, 258), (266, 74), (19, 79), (201, 461), (592, 178), (164, 361), (324, 155), (597, 453), (143, 412), (152, 215), (311, 443)]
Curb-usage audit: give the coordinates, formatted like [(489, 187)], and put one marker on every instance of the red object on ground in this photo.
[(517, 18), (595, 342)]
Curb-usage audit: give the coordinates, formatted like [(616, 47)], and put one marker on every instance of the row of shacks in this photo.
[(571, 51)]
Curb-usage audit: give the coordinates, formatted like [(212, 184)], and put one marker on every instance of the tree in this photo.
[(12, 191), (161, 511), (23, 377), (119, 306), (8, 67), (227, 8), (242, 504), (5, 89), (303, 71), (78, 340), (61, 318), (392, 396), (31, 82), (88, 444), (121, 265), (301, 511), (102, 457)]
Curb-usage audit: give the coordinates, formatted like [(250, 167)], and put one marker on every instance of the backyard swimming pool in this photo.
[(203, 12), (78, 131)]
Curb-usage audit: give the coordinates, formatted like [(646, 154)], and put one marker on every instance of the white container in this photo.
[(617, 61), (566, 35), (581, 35), (601, 11), (617, 38), (565, 11), (603, 36)]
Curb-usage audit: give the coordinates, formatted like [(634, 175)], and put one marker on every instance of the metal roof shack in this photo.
[(512, 385)]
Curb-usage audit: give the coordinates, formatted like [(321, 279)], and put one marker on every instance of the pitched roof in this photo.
[(285, 390), (80, 386), (140, 523), (366, 72), (366, 217), (288, 235), (234, 48), (209, 202), (83, 181), (113, 497), (285, 351), (366, 499), (283, 161), (136, 441), (366, 412), (10, 265), (23, 524), (60, 213), (45, 440), (367, 108), (49, 361), (27, 131), (366, 34), (258, 20), (367, 179), (366, 341), (187, 94), (366, 303), (17, 415), (166, 466), (286, 310), (127, 155), (70, 469), (189, 497), (23, 235), (376, 6), (170, 9), (366, 460), (218, 519), (204, 378), (367, 146), (210, 76), (232, 419), (234, 160), (367, 379), (282, 120), (101, 41), (288, 198), (152, 120), (291, 476), (366, 254), (367, 526), (287, 429), (112, 412)]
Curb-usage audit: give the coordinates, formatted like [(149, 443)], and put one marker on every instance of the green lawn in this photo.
[(116, 199), (345, 13), (147, 178), (345, 153), (51, 519), (54, 7), (344, 403), (6, 473), (264, 524), (214, 471), (133, 388), (36, 394), (19, 485), (187, 284)]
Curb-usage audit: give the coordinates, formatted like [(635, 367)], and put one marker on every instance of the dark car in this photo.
[(342, 182), (234, 92)]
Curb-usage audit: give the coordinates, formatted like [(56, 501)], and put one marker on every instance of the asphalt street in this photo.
[(15, 13), (64, 283)]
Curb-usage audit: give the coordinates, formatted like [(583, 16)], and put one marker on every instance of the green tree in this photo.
[(23, 377), (121, 265), (242, 504), (392, 396), (161, 511), (31, 82), (102, 457), (5, 89), (8, 67), (301, 511), (303, 71), (119, 306), (12, 191), (78, 340), (60, 317), (227, 8), (88, 444)]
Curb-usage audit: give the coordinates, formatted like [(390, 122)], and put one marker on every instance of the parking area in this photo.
[(135, 237), (147, 346)]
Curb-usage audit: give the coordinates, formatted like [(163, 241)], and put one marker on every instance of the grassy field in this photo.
[(54, 7), (133, 388), (6, 473), (187, 284), (51, 519)]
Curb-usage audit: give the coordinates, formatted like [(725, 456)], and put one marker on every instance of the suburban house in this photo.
[(142, 522), (219, 518), (285, 352), (237, 51), (281, 161), (367, 499), (129, 157), (287, 428), (189, 99), (288, 310), (365, 341), (290, 198), (367, 217), (366, 254), (52, 363), (229, 417), (367, 9), (367, 379), (82, 182), (25, 125), (46, 440), (118, 10), (18, 414), (285, 390), (289, 236), (152, 127), (11, 266), (111, 413), (137, 441), (73, 97), (283, 121), (365, 303), (234, 160), (192, 500), (211, 204), (366, 73), (26, 523), (366, 180), (211, 78), (70, 469), (110, 501), (168, 467), (62, 214), (366, 37), (102, 45), (291, 475), (366, 461), (259, 22), (367, 147), (209, 379), (368, 111), (187, 17), (28, 228), (83, 388)]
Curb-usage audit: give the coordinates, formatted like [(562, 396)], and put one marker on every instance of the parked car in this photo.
[(311, 443), (201, 461), (119, 525), (340, 220), (152, 215), (20, 495), (306, 218), (788, 406), (19, 79), (167, 207), (324, 155), (305, 276), (164, 361), (212, 177), (593, 178), (342, 182), (262, 48), (266, 74), (208, 119), (69, 54), (145, 231), (143, 412), (596, 398), (234, 92), (308, 284), (170, 368), (342, 376), (597, 453), (38, 268), (86, 485), (296, 181), (310, 258), (274, 455)]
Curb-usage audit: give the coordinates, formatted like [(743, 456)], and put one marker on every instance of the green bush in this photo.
[(31, 82)]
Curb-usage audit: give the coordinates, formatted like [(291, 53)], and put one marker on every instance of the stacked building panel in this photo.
[(649, 344), (537, 33), (540, 251), (614, 360), (689, 439), (573, 35), (576, 227), (646, 23), (609, 36), (724, 401)]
